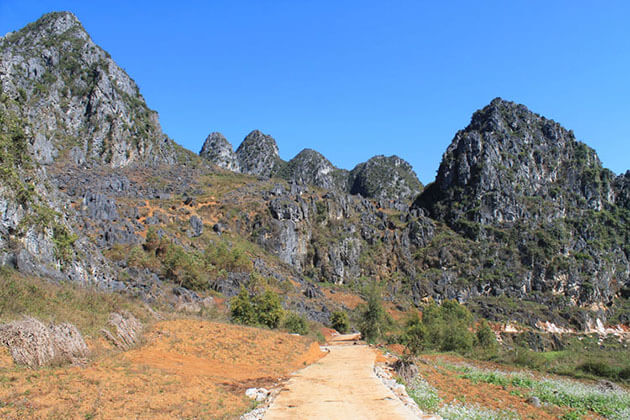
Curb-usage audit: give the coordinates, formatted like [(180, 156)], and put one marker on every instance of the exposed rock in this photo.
[(385, 178), (74, 96), (311, 167), (622, 187), (33, 344), (258, 155), (196, 227), (128, 330), (219, 151)]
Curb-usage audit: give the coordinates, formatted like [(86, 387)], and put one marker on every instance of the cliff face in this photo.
[(386, 179), (218, 150), (63, 100), (258, 155), (508, 155)]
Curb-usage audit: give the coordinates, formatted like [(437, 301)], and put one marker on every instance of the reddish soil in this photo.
[(349, 300), (186, 369)]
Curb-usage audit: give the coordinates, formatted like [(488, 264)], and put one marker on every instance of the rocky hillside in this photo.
[(524, 182), (522, 222)]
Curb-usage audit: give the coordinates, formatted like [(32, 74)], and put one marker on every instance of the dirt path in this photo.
[(342, 385)]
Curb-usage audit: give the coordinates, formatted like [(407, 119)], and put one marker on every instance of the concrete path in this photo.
[(342, 385)]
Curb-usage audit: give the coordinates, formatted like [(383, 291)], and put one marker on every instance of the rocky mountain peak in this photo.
[(258, 154), (506, 153), (219, 151), (386, 178), (78, 103), (311, 167)]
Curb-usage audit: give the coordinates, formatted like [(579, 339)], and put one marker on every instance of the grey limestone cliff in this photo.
[(385, 178)]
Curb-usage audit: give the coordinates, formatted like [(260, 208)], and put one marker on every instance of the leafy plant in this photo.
[(339, 321), (296, 324)]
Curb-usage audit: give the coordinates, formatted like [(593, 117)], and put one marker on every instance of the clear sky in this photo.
[(353, 79)]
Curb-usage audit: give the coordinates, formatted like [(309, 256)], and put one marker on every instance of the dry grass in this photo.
[(86, 308)]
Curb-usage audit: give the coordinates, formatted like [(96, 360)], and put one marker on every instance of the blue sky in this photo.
[(353, 79)]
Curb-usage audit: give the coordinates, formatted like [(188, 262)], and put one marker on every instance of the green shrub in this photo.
[(296, 324), (339, 321), (269, 309), (600, 369), (445, 328), (373, 318), (415, 335), (264, 309), (63, 240), (242, 308), (486, 339)]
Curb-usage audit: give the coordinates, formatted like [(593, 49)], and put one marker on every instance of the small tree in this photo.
[(415, 334), (486, 338), (269, 309), (242, 308), (373, 318), (339, 321), (296, 324)]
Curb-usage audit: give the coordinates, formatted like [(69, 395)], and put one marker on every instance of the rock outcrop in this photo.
[(520, 209), (258, 155), (386, 179), (523, 185), (219, 151), (311, 167)]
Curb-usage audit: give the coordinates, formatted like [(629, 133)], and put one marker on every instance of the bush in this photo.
[(296, 324), (264, 309), (445, 328), (600, 369), (373, 318), (486, 339), (242, 308), (339, 321), (269, 309), (415, 335)]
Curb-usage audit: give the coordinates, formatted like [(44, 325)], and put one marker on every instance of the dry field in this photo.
[(186, 369)]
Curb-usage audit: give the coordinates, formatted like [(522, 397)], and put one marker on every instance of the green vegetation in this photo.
[(339, 321), (373, 318), (579, 396), (63, 240), (262, 309), (447, 327), (296, 323), (188, 267)]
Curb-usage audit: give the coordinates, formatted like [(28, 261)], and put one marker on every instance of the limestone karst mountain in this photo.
[(94, 192)]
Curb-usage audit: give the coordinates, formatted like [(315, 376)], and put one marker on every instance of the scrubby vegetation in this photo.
[(262, 309), (339, 321), (446, 327)]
